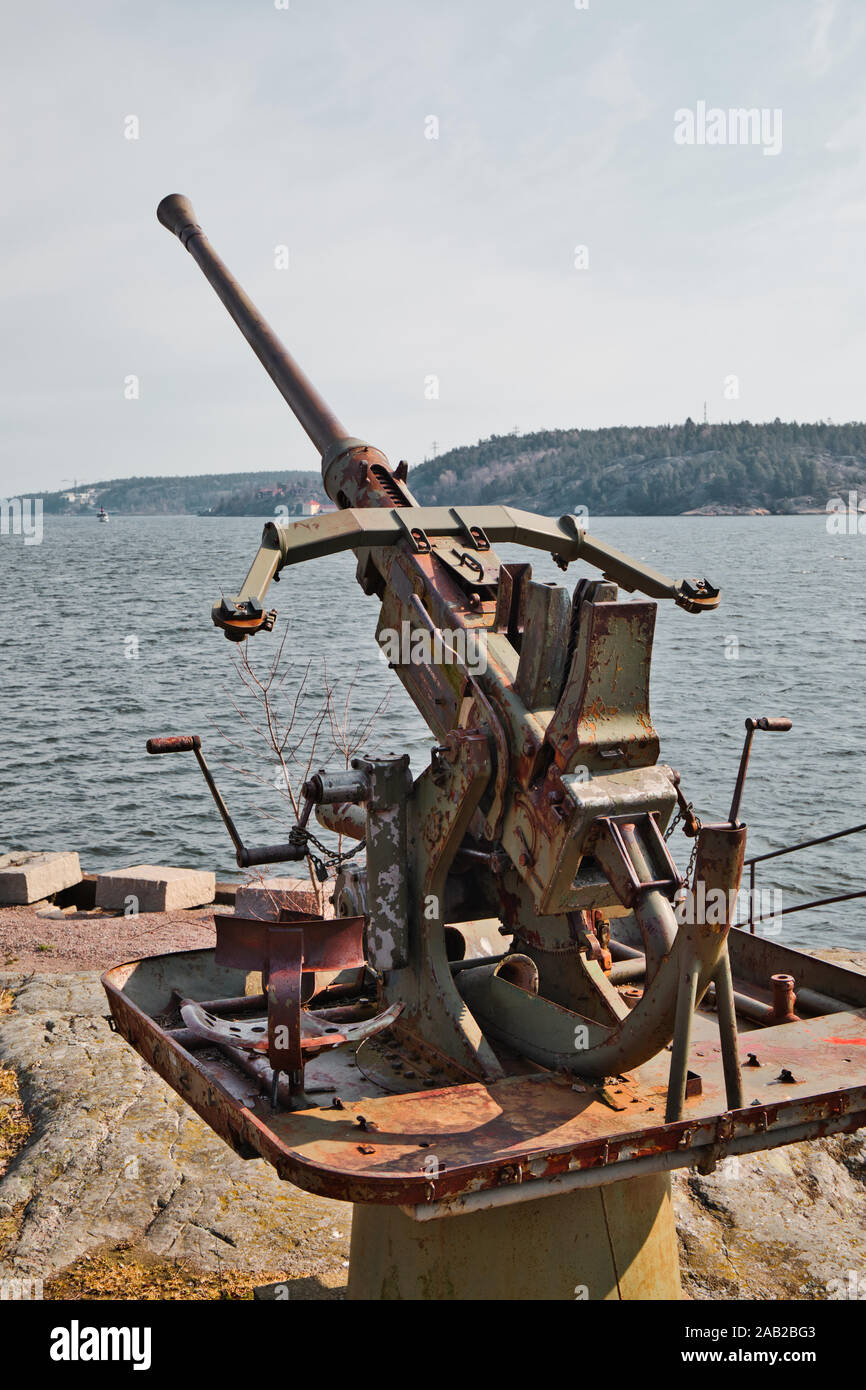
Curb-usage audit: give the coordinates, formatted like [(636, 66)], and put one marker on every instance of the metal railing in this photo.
[(798, 907)]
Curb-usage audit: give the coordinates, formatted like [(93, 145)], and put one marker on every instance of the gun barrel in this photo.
[(313, 413)]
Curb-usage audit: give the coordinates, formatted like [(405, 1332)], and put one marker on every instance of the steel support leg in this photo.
[(686, 995), (728, 1036)]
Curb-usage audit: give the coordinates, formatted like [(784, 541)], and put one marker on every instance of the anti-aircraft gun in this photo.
[(547, 1082)]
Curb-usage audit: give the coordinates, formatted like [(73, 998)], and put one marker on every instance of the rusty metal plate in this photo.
[(525, 1127), (329, 943)]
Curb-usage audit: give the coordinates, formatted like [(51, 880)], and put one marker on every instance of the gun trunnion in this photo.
[(484, 1047)]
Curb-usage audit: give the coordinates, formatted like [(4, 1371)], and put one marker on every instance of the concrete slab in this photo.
[(264, 898), (154, 888), (26, 876)]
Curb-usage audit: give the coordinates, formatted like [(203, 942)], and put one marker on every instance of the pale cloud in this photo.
[(411, 256), (850, 135), (851, 212), (819, 57), (612, 80)]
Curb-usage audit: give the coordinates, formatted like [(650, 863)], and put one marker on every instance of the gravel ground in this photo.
[(60, 944)]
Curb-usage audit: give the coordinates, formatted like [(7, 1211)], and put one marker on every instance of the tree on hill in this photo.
[(659, 469)]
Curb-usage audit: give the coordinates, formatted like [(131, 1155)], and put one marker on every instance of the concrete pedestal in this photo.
[(612, 1242)]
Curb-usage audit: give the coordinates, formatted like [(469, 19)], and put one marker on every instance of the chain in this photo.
[(677, 818), (690, 870), (303, 838)]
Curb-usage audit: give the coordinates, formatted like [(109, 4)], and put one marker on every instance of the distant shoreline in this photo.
[(706, 511), (694, 469)]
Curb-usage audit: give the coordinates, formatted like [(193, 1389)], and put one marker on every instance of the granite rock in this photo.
[(28, 876)]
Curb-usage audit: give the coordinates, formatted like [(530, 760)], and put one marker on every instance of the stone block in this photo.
[(157, 888), (31, 875), (264, 899)]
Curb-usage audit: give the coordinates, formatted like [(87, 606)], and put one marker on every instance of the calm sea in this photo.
[(107, 639)]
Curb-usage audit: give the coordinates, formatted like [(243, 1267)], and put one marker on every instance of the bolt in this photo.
[(751, 1061), (786, 1075), (337, 1104)]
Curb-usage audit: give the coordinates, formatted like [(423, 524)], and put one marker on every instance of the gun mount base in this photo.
[(612, 1242), (385, 1129)]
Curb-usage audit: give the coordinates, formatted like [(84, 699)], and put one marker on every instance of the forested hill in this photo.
[(211, 494), (650, 470), (654, 470)]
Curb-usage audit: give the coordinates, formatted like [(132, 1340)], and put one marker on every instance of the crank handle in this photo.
[(269, 854), (779, 725)]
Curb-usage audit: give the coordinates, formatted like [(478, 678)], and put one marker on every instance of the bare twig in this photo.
[(272, 708)]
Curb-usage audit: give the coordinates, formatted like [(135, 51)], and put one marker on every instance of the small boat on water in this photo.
[(102, 514)]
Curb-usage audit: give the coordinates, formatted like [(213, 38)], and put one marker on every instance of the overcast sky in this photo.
[(412, 257)]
